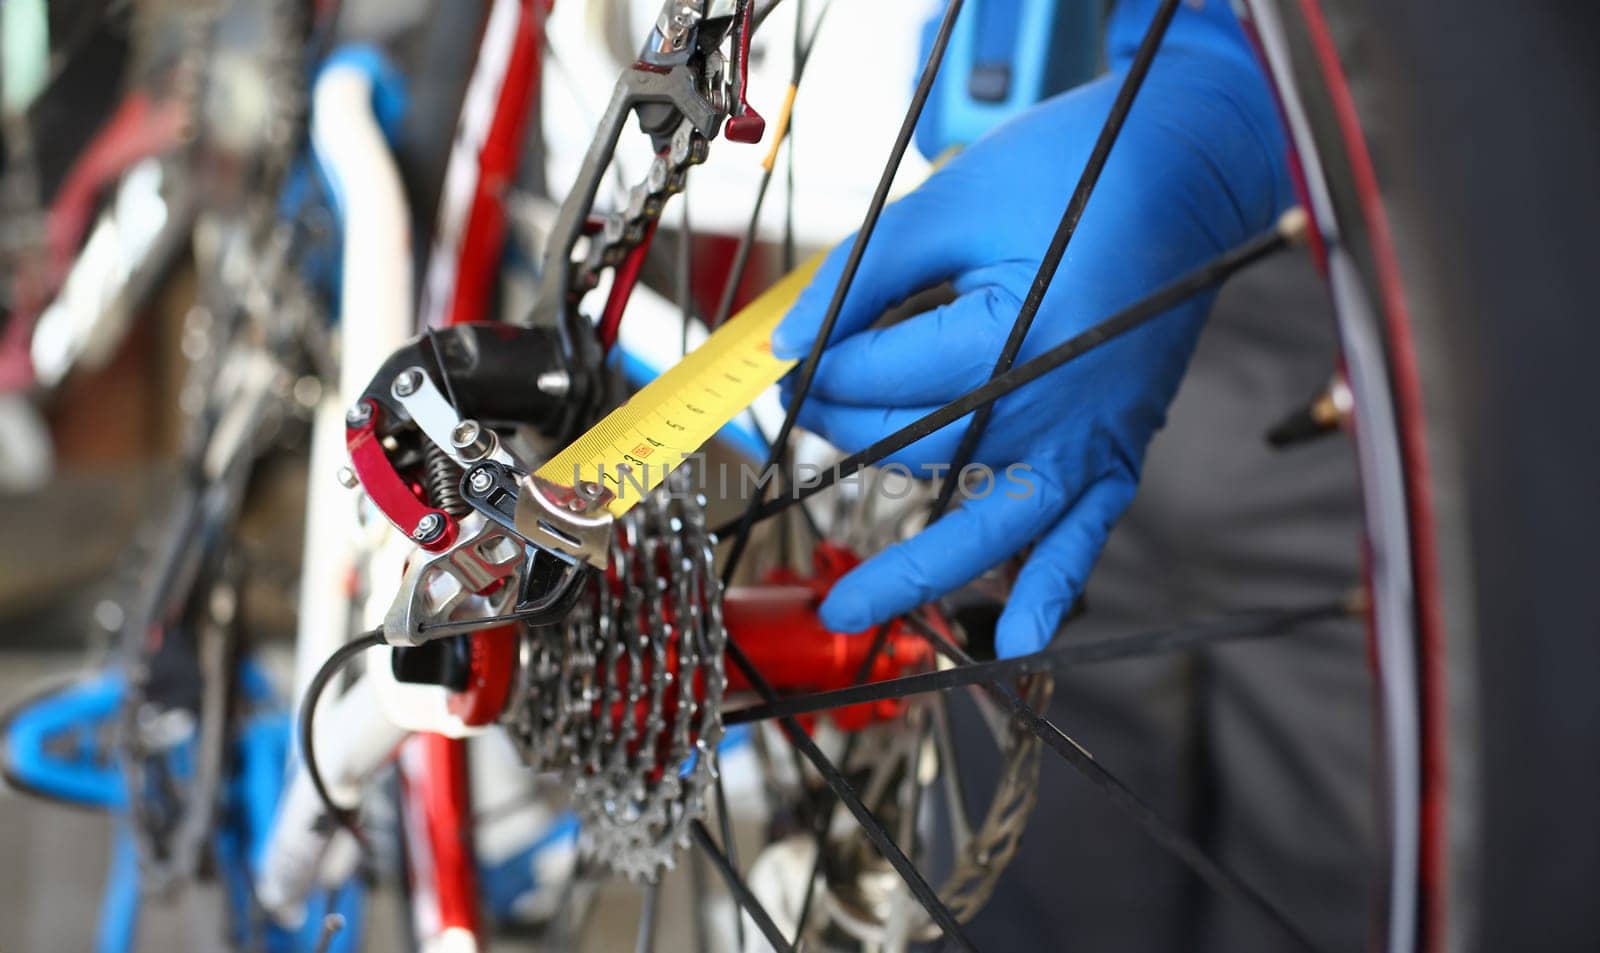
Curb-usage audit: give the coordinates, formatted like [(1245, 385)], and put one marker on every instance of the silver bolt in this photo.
[(407, 383), (348, 478), (358, 415), (555, 383), (428, 528), (480, 480), (473, 441), (590, 490)]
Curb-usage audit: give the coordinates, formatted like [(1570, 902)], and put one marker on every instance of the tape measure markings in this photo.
[(676, 414)]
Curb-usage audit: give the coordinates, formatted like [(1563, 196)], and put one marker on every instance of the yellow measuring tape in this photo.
[(634, 448)]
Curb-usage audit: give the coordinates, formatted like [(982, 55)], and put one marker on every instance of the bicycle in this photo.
[(525, 614)]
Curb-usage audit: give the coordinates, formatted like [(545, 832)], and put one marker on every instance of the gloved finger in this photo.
[(911, 249), (851, 428), (1059, 566), (951, 552), (931, 358)]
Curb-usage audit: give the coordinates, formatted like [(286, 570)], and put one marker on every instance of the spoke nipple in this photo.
[(1295, 225), (1327, 412)]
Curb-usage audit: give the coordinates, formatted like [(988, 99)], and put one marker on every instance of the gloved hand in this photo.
[(1200, 167)]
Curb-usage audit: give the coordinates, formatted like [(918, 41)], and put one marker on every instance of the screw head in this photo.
[(465, 433), (348, 478), (480, 480), (408, 382), (358, 415), (429, 528), (473, 441)]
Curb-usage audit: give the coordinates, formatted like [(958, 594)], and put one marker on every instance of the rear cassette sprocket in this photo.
[(624, 697)]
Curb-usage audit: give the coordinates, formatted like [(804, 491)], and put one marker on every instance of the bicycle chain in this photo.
[(621, 232)]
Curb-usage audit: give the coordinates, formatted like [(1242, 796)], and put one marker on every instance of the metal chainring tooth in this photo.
[(624, 697)]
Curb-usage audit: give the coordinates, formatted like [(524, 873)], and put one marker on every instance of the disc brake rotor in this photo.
[(863, 896)]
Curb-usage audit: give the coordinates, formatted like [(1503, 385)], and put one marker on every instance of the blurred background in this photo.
[(151, 154)]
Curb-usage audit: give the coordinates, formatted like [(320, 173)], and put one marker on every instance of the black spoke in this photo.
[(870, 825), (685, 271), (1226, 883), (740, 890), (741, 255), (787, 486), (1235, 627), (820, 840), (880, 639), (808, 369), (797, 52), (725, 828), (648, 914), (697, 886), (1290, 228), (1068, 226)]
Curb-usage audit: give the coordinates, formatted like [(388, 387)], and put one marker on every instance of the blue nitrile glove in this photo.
[(1199, 168)]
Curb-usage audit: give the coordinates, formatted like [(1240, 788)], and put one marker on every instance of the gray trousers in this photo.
[(1263, 751)]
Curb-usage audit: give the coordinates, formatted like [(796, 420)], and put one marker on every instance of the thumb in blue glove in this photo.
[(1199, 167)]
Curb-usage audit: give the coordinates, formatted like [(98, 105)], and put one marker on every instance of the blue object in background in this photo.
[(390, 101), (504, 884), (1004, 56), (54, 746)]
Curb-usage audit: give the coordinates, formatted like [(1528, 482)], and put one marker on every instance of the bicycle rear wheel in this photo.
[(1459, 193)]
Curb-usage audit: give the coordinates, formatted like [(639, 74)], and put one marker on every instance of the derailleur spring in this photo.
[(441, 477)]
